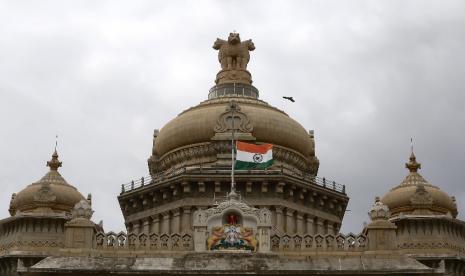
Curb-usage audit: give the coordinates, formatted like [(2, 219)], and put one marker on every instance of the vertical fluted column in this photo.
[(186, 219), (300, 223), (320, 229), (136, 227), (330, 228), (176, 221), (337, 226), (310, 228), (279, 219), (155, 224), (165, 224), (290, 222), (145, 226)]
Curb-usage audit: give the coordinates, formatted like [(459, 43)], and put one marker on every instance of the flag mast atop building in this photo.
[(233, 183)]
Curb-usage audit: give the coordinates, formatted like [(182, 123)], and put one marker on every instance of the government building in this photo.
[(194, 214)]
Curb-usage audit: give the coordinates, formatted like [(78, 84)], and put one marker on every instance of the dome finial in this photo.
[(412, 165), (54, 163), (233, 57)]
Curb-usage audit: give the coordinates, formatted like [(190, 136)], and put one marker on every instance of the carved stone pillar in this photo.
[(310, 228), (217, 186), (186, 187), (176, 221), (155, 224), (279, 219), (320, 229), (201, 187), (165, 224), (330, 228), (248, 187), (290, 222), (186, 219), (264, 187), (300, 223), (280, 187), (200, 230), (145, 226), (136, 227)]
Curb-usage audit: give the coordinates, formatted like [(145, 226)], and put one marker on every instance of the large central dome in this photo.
[(270, 125), (201, 135)]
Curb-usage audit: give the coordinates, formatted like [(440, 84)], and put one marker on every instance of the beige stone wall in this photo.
[(32, 233)]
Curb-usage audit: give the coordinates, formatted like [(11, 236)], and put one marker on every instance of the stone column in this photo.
[(310, 228), (176, 221), (248, 187), (165, 224), (320, 229), (264, 231), (217, 187), (330, 228), (145, 226), (136, 227), (279, 219), (186, 219), (200, 230), (201, 187), (300, 223), (290, 222), (186, 187), (280, 187), (155, 224), (264, 187)]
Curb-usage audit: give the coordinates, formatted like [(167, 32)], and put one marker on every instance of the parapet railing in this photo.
[(184, 241), (149, 180)]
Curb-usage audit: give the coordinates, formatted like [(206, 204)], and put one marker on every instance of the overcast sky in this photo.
[(366, 76)]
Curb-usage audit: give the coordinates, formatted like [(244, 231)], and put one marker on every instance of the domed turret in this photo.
[(417, 196), (51, 194)]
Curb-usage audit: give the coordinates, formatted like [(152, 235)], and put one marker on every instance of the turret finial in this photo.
[(412, 165), (54, 163)]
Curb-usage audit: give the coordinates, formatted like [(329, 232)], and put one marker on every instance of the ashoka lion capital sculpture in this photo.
[(233, 56)]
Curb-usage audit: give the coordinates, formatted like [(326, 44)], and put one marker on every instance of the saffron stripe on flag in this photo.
[(253, 148)]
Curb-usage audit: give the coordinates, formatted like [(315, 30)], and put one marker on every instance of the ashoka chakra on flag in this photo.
[(250, 156)]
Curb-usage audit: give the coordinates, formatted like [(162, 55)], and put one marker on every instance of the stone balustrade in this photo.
[(184, 242)]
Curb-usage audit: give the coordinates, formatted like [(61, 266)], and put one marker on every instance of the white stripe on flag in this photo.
[(248, 156)]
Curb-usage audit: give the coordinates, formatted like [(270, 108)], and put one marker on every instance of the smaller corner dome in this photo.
[(51, 194), (416, 193)]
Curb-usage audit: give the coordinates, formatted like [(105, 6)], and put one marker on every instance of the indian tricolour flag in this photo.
[(250, 156)]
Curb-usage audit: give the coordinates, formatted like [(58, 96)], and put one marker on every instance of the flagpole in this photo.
[(233, 184)]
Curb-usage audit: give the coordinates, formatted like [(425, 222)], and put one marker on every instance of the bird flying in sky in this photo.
[(289, 98)]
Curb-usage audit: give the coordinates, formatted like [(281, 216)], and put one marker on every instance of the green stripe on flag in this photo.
[(242, 165)]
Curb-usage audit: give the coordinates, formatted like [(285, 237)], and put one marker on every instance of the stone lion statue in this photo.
[(233, 54)]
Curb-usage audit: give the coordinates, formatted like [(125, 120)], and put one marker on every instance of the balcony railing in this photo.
[(166, 175)]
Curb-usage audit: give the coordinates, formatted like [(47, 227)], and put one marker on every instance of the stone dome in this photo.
[(50, 194), (415, 195), (270, 125), (201, 135)]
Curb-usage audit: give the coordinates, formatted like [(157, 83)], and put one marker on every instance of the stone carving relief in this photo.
[(421, 197), (196, 154), (232, 225), (45, 194), (233, 118), (82, 209)]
